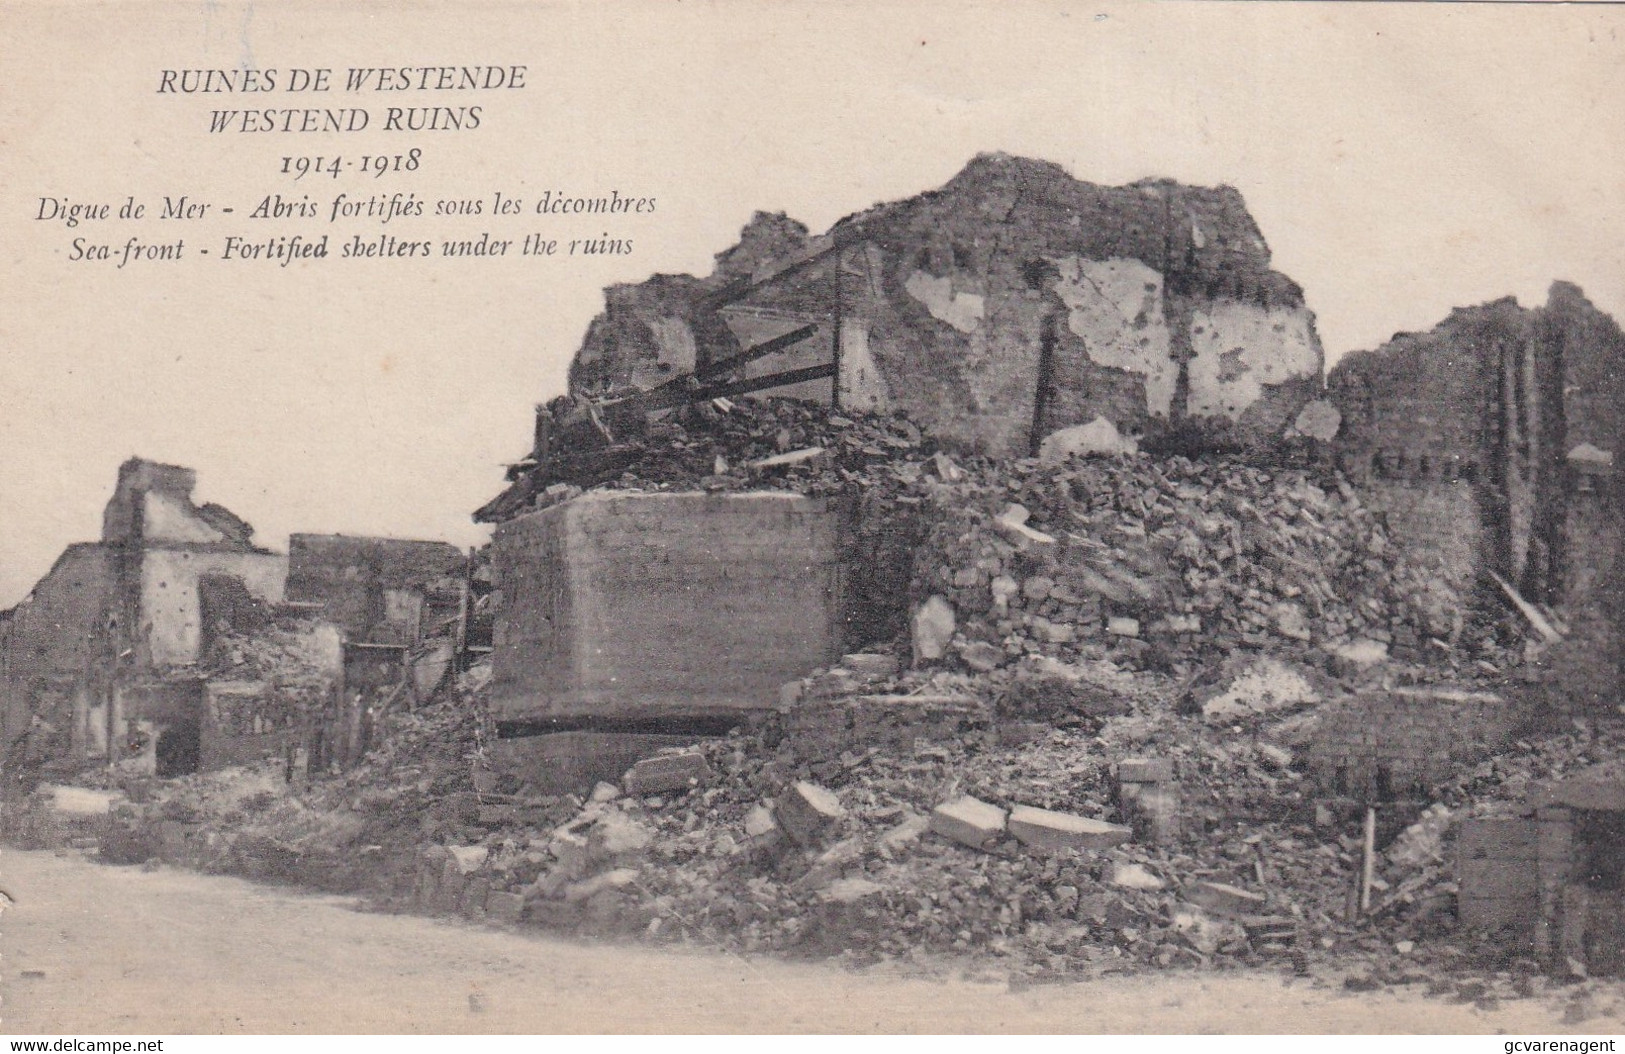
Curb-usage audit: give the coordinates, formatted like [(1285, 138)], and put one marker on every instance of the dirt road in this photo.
[(95, 949)]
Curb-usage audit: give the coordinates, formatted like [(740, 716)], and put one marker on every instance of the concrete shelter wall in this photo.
[(637, 605)]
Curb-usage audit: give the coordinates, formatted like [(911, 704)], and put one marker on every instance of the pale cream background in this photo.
[(1401, 159)]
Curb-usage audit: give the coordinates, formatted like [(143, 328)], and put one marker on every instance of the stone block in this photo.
[(619, 878), (969, 821), (933, 627), (809, 813), (1224, 899), (1132, 876), (471, 904), (665, 773), (504, 907), (1145, 770), (449, 892), (1046, 829)]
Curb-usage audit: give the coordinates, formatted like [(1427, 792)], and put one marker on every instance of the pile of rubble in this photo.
[(1177, 562), (1134, 839), (285, 672), (1162, 563)]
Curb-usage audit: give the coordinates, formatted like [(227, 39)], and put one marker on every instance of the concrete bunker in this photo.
[(631, 618)]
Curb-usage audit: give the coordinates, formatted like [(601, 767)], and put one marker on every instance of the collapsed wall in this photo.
[(1013, 302)]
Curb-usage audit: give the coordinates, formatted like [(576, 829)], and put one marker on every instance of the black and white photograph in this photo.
[(530, 518)]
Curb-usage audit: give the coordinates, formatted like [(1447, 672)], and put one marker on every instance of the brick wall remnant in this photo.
[(1013, 302), (1489, 441), (1397, 744)]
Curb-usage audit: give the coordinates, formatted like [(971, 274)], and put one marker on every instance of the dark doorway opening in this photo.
[(180, 746)]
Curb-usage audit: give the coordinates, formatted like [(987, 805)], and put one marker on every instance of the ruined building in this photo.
[(1014, 302), (1014, 307), (143, 649), (1489, 441)]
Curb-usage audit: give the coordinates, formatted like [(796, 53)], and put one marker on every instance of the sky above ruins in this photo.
[(1400, 160)]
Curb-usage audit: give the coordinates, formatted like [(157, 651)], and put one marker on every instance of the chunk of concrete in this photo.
[(761, 829), (468, 858), (809, 813), (1123, 627), (1099, 436), (668, 772), (572, 853), (619, 878), (909, 830), (849, 890), (981, 656), (1224, 899), (969, 821), (616, 834), (1132, 876), (1012, 524), (1047, 829), (933, 624)]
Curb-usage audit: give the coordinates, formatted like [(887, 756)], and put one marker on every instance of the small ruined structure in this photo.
[(1551, 881), (1014, 302), (99, 662), (175, 643)]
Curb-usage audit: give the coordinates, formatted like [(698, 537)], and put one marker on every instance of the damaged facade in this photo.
[(175, 643), (1012, 303), (1489, 441)]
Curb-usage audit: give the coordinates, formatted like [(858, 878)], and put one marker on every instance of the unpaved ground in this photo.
[(128, 951)]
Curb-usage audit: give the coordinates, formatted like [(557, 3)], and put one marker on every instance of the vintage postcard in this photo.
[(532, 517)]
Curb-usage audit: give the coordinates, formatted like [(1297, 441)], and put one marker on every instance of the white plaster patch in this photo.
[(963, 311), (167, 519), (171, 618), (674, 342), (1242, 347), (862, 386), (1115, 305)]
